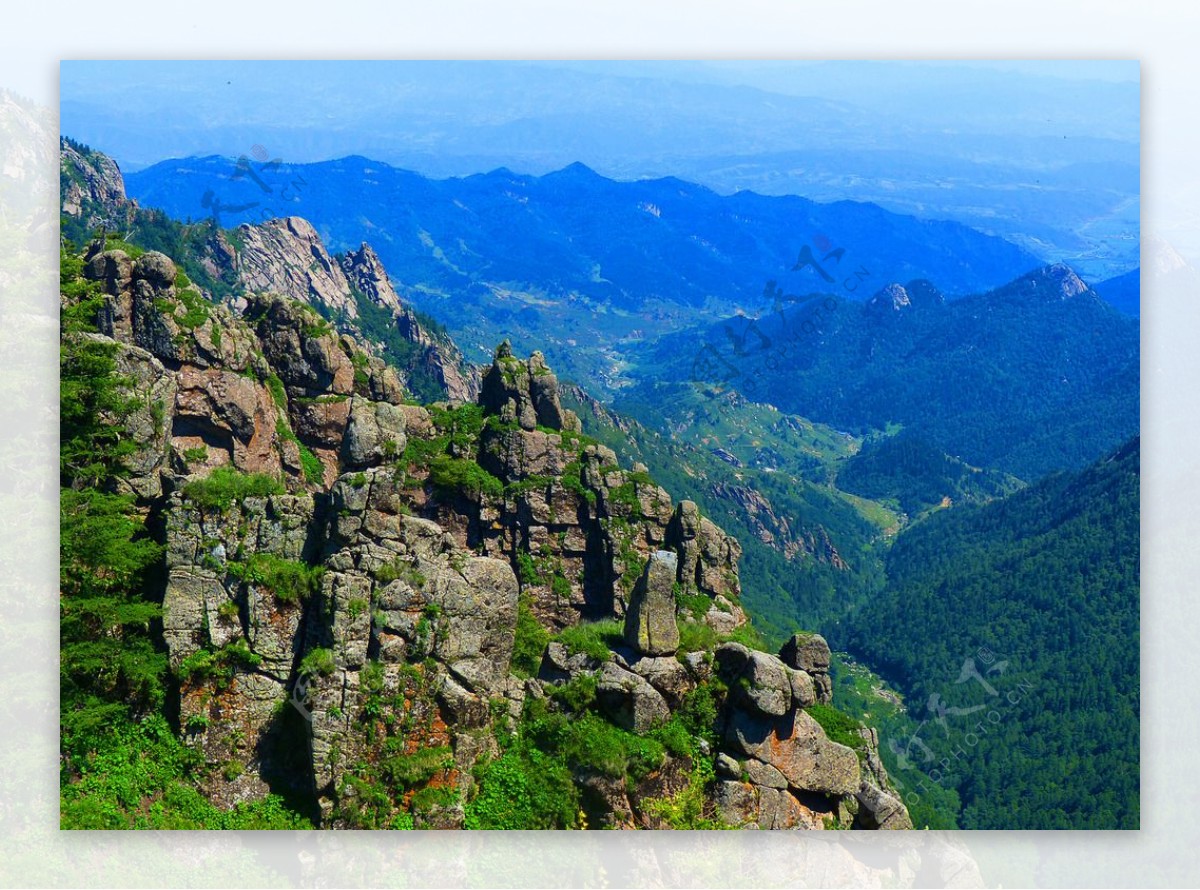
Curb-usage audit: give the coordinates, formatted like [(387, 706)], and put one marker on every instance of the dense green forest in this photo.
[(913, 476), (1021, 379), (1022, 616)]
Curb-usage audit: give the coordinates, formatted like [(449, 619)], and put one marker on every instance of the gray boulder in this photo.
[(376, 430), (629, 700), (650, 626), (757, 680), (809, 652), (797, 747)]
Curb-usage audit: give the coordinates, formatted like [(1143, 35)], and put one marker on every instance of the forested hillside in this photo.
[(1045, 584), (1038, 375)]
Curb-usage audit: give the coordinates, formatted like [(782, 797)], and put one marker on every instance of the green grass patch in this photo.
[(696, 636), (452, 476), (839, 727), (318, 663), (225, 486), (691, 601), (592, 638), (530, 642), (290, 580)]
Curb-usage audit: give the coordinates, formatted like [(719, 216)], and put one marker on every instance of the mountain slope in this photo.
[(293, 598), (1040, 590), (1038, 375), (1124, 292), (571, 255), (283, 256)]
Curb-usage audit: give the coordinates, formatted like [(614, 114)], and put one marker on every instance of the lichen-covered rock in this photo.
[(650, 626), (757, 680), (795, 745), (629, 700), (666, 674), (559, 665), (93, 188), (300, 346), (879, 810), (708, 563), (151, 390), (747, 805), (809, 652), (376, 430)]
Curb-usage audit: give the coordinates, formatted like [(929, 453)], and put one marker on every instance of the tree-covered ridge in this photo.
[(1033, 377), (1047, 581), (913, 477)]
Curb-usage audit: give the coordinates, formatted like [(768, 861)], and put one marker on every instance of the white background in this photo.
[(1166, 852)]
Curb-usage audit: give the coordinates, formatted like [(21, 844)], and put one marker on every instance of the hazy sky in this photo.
[(142, 112)]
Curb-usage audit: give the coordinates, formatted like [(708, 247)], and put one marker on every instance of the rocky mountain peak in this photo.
[(364, 271), (287, 256), (91, 184), (895, 297), (892, 297), (1050, 283), (524, 392)]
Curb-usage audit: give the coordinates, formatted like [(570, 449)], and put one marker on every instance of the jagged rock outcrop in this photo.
[(524, 393), (365, 273), (650, 626), (583, 527), (810, 653), (287, 256), (1057, 281), (896, 298), (891, 298), (347, 577), (783, 534), (91, 186)]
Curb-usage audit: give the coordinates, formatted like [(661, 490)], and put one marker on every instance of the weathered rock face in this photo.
[(233, 640), (351, 641), (790, 774), (525, 393), (650, 626), (569, 512), (92, 186), (629, 700), (891, 298), (287, 256), (435, 357), (364, 272), (810, 653)]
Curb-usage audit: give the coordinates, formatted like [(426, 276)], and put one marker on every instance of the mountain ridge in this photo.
[(575, 264), (378, 614)]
